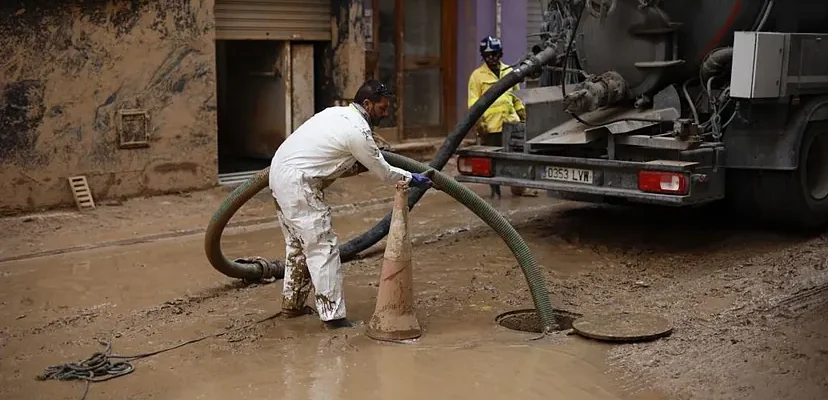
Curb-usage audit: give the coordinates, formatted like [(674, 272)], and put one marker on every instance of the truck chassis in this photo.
[(769, 157)]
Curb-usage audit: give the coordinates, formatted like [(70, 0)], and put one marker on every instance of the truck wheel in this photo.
[(796, 199)]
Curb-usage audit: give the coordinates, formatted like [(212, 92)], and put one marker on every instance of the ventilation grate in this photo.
[(133, 129)]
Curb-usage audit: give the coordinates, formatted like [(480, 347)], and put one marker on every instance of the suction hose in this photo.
[(716, 62), (470, 199), (532, 64), (257, 268)]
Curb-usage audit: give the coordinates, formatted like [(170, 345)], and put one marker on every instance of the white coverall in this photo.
[(321, 149)]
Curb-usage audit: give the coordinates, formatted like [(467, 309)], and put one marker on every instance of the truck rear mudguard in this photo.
[(695, 181)]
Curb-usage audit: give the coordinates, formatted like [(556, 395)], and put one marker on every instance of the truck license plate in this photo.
[(568, 174)]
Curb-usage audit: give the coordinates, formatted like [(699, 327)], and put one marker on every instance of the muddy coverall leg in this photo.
[(297, 281), (306, 221)]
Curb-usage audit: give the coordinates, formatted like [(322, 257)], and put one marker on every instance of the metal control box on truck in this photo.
[(679, 103)]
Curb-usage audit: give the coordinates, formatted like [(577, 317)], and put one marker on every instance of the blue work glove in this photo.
[(420, 181)]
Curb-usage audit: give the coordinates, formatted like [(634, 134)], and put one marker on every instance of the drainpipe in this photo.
[(498, 19)]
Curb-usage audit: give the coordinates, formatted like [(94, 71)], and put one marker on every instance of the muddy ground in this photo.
[(749, 306)]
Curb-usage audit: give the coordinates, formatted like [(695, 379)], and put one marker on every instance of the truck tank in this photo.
[(666, 41)]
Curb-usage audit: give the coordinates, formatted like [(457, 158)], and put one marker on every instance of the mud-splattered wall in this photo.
[(343, 67), (68, 67)]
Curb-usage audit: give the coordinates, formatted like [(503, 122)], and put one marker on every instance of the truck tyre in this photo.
[(794, 199)]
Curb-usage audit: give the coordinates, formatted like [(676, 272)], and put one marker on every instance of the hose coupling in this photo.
[(533, 64), (271, 270)]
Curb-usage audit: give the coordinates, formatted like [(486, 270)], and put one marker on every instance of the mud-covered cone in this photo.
[(394, 317)]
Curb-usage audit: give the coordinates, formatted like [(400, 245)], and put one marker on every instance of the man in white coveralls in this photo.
[(324, 148)]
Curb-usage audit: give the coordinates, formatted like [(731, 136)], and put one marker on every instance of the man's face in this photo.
[(376, 110), (492, 59)]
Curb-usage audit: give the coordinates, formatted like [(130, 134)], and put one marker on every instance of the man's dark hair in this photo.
[(372, 90)]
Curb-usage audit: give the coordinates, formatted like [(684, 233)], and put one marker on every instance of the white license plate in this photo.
[(568, 174)]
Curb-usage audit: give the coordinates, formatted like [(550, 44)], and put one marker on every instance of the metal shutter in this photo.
[(273, 19), (534, 19)]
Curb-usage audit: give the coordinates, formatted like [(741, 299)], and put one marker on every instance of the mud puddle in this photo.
[(295, 360), (456, 358), (358, 368), (131, 294), (462, 280)]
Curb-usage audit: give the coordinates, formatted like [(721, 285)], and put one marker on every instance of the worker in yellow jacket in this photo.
[(507, 108)]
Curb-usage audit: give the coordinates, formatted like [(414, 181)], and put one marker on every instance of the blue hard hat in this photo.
[(490, 44)]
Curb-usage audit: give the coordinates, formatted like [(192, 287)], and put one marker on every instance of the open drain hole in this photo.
[(528, 321)]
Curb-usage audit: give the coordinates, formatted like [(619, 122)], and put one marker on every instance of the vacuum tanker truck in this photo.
[(676, 103)]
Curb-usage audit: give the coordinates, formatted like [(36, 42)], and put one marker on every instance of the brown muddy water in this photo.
[(153, 295), (481, 364), (748, 308)]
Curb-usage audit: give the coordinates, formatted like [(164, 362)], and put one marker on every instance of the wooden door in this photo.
[(415, 42)]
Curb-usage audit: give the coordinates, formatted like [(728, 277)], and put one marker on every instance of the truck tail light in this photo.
[(662, 182), (479, 166)]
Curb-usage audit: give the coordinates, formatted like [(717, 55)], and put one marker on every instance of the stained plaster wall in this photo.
[(66, 67), (343, 59)]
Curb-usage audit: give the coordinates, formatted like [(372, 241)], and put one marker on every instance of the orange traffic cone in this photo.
[(394, 317)]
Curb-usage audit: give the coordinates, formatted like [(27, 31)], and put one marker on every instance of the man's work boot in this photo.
[(288, 313), (495, 191), (341, 323)]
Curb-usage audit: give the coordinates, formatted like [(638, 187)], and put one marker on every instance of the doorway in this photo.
[(415, 46), (265, 90), (252, 103)]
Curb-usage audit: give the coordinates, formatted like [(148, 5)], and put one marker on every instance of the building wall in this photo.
[(513, 29), (476, 19), (344, 57), (69, 68)]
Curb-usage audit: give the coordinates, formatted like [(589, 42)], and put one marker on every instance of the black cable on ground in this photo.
[(103, 366)]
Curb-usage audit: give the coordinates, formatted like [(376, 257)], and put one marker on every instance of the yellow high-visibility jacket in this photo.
[(507, 108)]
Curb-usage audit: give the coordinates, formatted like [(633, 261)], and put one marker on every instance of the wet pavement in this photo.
[(151, 295), (440, 365)]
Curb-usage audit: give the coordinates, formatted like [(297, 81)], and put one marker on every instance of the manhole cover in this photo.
[(623, 327), (528, 320)]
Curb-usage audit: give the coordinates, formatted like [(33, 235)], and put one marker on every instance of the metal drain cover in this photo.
[(622, 327)]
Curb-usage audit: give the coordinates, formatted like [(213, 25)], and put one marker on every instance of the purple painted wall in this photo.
[(476, 19), (467, 40), (485, 19), (513, 29)]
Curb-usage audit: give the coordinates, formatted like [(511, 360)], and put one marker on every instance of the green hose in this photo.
[(255, 269), (470, 199)]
